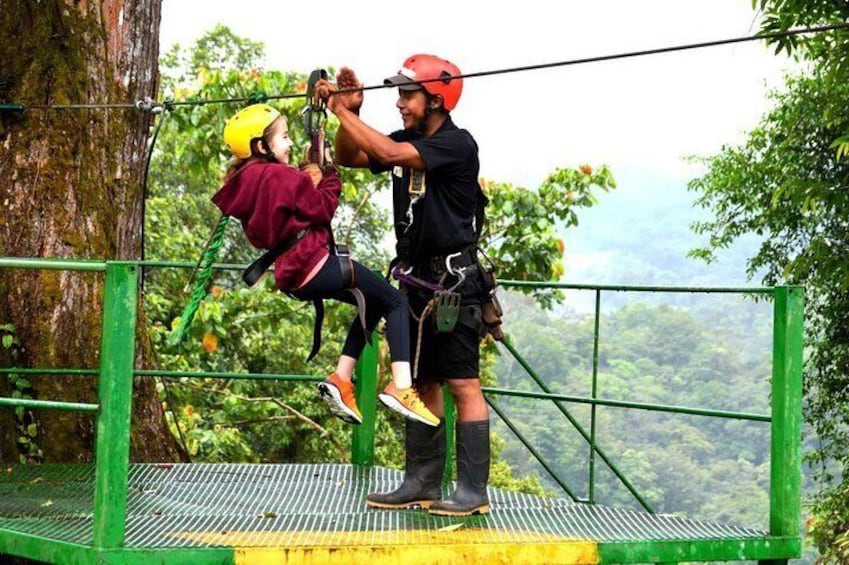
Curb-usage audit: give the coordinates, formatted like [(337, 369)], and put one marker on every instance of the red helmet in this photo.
[(423, 67)]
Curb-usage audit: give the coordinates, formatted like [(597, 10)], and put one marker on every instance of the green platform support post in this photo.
[(115, 394), (594, 396), (785, 492), (362, 442)]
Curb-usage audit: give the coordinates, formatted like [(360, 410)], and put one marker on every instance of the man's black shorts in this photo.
[(454, 355)]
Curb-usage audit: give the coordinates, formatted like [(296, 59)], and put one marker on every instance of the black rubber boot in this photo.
[(472, 473), (424, 467)]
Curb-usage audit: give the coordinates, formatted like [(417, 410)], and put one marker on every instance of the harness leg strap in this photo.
[(316, 333), (360, 298), (349, 282), (346, 265)]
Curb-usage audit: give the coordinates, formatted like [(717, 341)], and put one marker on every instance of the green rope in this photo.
[(257, 97), (199, 290)]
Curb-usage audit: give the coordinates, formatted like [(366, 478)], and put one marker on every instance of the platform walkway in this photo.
[(304, 513)]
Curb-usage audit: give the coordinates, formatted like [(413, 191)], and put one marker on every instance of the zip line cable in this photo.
[(627, 55), (149, 105)]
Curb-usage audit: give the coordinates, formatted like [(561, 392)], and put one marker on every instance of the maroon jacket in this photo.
[(275, 201)]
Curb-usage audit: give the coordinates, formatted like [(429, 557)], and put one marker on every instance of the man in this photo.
[(438, 213)]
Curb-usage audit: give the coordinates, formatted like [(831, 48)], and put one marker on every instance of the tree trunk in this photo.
[(71, 186)]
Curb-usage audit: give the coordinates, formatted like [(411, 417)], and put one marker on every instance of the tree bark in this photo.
[(71, 186)]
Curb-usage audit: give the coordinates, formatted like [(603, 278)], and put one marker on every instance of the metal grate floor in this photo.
[(208, 505)]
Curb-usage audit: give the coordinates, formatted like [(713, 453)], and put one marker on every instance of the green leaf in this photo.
[(8, 340)]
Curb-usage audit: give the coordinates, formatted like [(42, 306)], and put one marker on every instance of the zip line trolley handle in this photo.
[(314, 114)]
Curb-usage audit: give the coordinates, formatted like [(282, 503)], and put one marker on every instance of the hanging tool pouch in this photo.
[(491, 311), (446, 311)]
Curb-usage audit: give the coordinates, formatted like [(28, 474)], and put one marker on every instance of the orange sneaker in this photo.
[(407, 403), (339, 396)]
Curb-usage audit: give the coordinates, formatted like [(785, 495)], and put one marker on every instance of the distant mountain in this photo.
[(639, 234)]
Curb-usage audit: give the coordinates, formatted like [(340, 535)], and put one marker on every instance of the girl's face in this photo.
[(278, 140)]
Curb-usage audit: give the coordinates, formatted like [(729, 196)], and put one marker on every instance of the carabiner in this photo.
[(314, 114), (410, 215), (460, 272)]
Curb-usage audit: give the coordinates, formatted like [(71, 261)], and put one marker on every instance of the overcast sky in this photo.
[(646, 113)]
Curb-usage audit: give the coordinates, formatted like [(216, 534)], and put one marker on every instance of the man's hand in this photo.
[(345, 79), (349, 100)]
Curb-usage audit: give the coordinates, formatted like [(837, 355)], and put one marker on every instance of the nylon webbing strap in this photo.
[(316, 330), (258, 268)]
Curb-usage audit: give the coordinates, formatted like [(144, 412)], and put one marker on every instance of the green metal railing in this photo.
[(117, 370), (594, 401)]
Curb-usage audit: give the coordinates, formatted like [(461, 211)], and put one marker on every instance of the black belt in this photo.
[(438, 264)]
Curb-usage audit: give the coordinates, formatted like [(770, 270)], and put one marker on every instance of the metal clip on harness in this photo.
[(314, 118), (459, 272), (416, 191)]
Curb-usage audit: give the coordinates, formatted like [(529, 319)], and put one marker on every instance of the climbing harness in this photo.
[(445, 305), (349, 283), (314, 120), (446, 301)]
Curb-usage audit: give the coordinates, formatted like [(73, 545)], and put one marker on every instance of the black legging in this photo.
[(382, 301)]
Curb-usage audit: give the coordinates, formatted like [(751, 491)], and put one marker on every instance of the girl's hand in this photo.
[(313, 171)]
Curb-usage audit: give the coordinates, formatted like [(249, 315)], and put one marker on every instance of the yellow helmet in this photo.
[(246, 125)]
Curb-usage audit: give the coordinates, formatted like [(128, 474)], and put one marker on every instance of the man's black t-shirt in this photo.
[(444, 219)]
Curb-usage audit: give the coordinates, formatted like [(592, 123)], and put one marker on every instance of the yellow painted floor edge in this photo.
[(565, 553)]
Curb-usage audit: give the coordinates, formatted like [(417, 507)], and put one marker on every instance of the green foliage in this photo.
[(829, 52), (239, 329), (26, 425), (696, 466), (787, 184), (782, 15), (520, 234), (828, 527), (260, 330)]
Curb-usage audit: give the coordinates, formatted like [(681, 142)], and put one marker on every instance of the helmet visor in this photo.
[(402, 82)]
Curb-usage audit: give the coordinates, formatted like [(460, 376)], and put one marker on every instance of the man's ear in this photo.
[(436, 102)]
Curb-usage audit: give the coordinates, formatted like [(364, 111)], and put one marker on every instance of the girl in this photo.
[(283, 209)]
